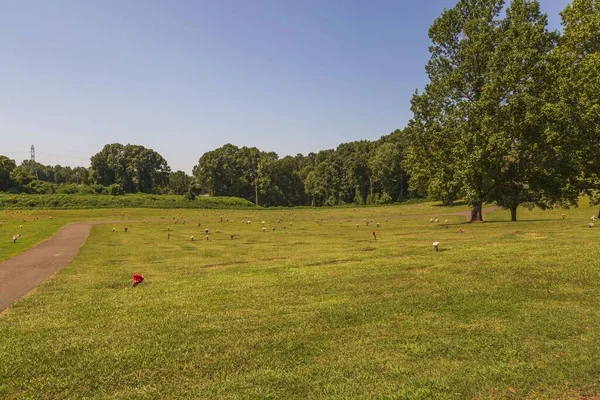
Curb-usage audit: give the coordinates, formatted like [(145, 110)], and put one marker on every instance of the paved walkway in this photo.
[(22, 273)]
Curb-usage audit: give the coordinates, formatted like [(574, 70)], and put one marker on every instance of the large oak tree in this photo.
[(478, 129)]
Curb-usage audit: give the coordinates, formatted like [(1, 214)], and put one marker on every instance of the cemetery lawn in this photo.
[(503, 310)]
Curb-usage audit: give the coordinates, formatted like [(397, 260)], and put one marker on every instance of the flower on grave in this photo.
[(137, 279)]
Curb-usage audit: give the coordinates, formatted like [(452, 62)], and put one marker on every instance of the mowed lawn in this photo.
[(37, 225), (318, 309)]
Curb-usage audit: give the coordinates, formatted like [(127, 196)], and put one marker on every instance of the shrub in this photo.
[(41, 187), (331, 201), (385, 199), (84, 189), (99, 189), (68, 188), (116, 190), (140, 200), (190, 195), (358, 200), (20, 189)]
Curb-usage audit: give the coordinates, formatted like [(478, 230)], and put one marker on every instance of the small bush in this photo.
[(20, 189), (84, 189), (99, 189), (331, 201), (190, 195), (385, 199), (41, 187), (67, 189), (116, 190)]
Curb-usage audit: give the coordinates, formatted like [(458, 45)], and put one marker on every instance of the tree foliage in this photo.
[(133, 167), (575, 109), (7, 166), (479, 130), (179, 182)]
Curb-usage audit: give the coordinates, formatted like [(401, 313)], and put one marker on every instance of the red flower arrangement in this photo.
[(137, 279)]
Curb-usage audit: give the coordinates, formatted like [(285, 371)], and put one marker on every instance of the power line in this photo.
[(62, 156), (47, 154), (68, 165)]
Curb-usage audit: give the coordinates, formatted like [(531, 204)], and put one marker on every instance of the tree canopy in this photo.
[(481, 127), (330, 177), (134, 167)]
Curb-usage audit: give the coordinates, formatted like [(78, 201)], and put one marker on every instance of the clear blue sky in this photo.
[(185, 77)]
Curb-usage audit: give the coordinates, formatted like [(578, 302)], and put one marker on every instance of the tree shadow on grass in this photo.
[(520, 221), (459, 203)]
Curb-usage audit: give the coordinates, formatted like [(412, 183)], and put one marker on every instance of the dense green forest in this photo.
[(511, 115)]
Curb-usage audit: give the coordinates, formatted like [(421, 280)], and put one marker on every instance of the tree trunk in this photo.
[(401, 187), (476, 213), (599, 213), (513, 213), (256, 191), (401, 192)]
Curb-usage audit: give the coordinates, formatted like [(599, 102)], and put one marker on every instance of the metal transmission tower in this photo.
[(33, 171)]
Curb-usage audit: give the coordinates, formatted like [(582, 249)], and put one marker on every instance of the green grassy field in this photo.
[(316, 310), (37, 225)]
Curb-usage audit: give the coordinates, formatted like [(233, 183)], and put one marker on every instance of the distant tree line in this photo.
[(511, 115), (361, 172), (116, 169)]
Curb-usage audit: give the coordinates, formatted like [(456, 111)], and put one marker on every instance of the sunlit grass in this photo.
[(316, 310)]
